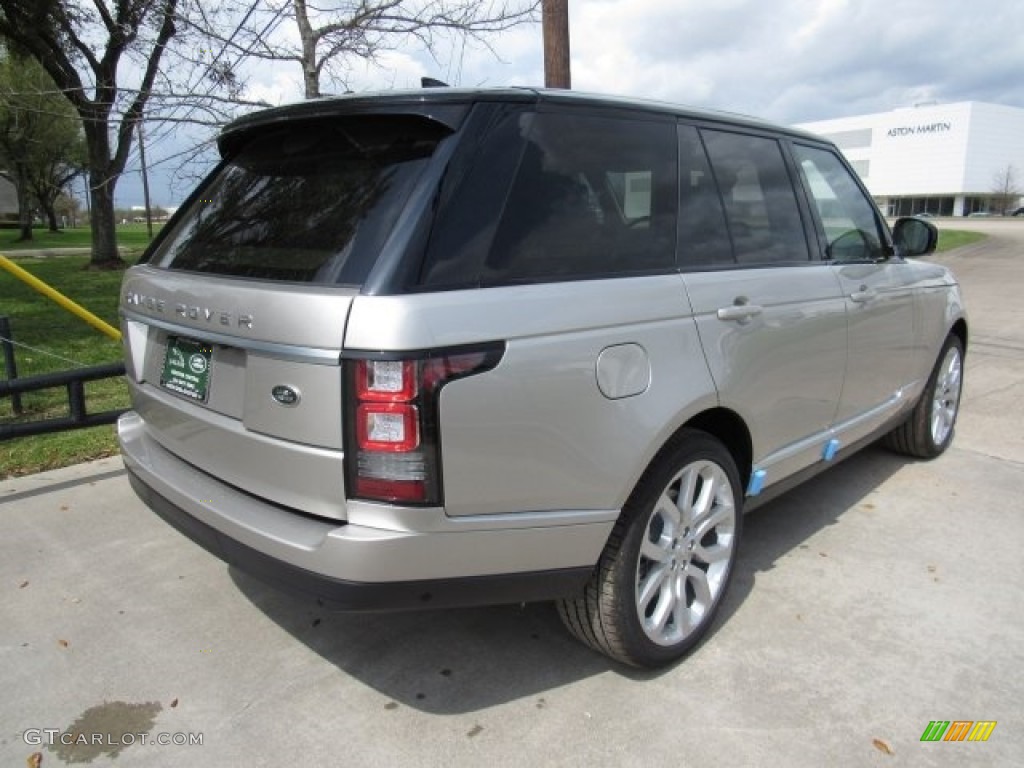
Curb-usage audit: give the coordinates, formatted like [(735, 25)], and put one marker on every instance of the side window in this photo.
[(703, 236), (592, 197), (852, 231), (760, 202)]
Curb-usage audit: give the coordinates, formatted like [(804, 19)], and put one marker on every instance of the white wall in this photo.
[(920, 151), (997, 140), (944, 149)]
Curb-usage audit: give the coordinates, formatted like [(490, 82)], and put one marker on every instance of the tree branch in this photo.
[(134, 113), (105, 17), (32, 34)]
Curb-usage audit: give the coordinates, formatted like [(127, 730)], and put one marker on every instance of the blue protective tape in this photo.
[(831, 449), (756, 484)]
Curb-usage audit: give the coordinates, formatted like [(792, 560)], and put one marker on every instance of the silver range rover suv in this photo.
[(457, 347)]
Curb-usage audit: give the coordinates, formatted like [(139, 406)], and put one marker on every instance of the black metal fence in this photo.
[(73, 380), (10, 363)]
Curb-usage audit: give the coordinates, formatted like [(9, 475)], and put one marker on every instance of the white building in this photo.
[(941, 158)]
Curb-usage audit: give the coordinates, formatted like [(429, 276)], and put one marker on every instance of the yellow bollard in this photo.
[(34, 282)]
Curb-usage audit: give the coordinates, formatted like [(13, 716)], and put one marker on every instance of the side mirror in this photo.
[(914, 237)]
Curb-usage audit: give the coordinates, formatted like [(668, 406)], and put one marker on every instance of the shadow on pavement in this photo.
[(442, 662), (457, 661), (786, 523), (63, 485)]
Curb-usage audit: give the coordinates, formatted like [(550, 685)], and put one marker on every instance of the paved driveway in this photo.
[(879, 597)]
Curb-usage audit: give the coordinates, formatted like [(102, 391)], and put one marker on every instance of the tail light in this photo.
[(392, 440)]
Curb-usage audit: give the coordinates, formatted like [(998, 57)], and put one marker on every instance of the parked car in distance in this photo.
[(463, 347), (1017, 211)]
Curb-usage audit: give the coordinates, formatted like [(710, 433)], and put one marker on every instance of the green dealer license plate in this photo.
[(187, 368)]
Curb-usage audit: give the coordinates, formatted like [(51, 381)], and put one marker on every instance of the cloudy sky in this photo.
[(789, 60)]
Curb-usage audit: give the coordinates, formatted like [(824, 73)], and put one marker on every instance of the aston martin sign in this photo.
[(915, 130)]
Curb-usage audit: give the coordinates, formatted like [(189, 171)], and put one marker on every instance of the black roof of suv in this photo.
[(449, 106)]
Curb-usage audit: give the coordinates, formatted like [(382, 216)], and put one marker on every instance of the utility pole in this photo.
[(88, 204), (145, 180), (555, 18)]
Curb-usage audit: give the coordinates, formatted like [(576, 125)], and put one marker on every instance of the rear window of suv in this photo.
[(308, 202)]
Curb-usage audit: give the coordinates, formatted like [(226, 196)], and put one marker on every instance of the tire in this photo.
[(928, 430), (665, 568)]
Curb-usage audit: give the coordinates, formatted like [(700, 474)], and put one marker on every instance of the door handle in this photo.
[(864, 295), (742, 313)]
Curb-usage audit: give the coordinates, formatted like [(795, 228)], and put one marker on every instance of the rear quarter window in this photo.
[(581, 196)]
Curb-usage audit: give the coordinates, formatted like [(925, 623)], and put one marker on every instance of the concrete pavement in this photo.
[(877, 598)]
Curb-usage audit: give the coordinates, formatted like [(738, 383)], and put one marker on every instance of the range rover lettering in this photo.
[(463, 347)]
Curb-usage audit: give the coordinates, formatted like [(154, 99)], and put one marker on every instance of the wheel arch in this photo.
[(959, 330), (724, 425), (728, 427)]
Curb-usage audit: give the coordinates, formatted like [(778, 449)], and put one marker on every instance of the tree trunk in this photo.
[(310, 73), (51, 215), (103, 224), (101, 194), (24, 203), (46, 196)]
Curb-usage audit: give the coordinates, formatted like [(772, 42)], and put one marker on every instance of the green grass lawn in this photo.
[(134, 236), (954, 238), (51, 331), (57, 337)]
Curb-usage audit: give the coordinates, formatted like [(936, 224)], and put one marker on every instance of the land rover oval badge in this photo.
[(285, 395)]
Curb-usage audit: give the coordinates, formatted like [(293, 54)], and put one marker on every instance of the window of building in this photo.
[(856, 139), (912, 206), (862, 168)]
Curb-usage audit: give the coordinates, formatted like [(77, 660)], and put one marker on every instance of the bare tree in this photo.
[(110, 59), (1006, 190), (62, 36), (331, 36), (179, 61)]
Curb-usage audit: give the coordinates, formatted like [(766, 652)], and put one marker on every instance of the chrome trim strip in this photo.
[(316, 356), (794, 449), (885, 409), (434, 520), (836, 431)]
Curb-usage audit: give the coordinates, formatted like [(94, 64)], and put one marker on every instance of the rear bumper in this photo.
[(362, 596), (358, 567)]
